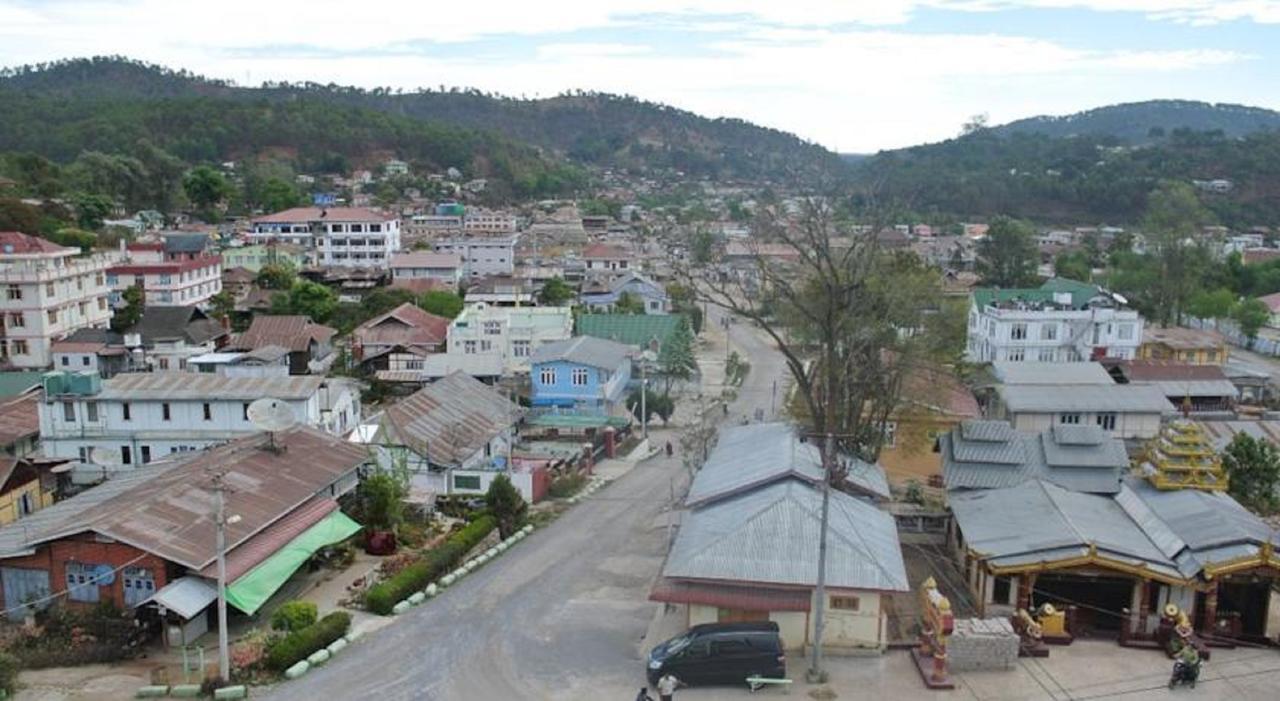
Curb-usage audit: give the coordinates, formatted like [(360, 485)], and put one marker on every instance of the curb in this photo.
[(435, 588), (318, 658), (188, 691)]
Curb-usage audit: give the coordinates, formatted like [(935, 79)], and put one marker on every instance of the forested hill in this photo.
[(1083, 179), (592, 128), (1149, 122)]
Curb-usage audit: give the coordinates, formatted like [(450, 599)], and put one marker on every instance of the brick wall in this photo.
[(54, 557)]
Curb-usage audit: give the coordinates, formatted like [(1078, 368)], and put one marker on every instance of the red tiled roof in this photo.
[(406, 325), (19, 418), (338, 214), (18, 242), (749, 597)]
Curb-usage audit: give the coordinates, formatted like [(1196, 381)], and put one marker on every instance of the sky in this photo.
[(855, 76)]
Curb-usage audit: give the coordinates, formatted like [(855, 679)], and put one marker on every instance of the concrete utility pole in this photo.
[(816, 675), (220, 521), (644, 405)]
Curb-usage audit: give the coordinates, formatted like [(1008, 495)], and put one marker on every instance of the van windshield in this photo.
[(675, 645)]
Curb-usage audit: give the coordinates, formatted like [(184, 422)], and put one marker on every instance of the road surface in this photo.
[(559, 616)]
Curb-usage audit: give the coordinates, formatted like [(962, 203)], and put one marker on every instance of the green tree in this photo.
[(684, 301), (384, 299), (221, 305), (555, 293), (275, 194), (1253, 466), (441, 303), (307, 298), (125, 317), (702, 246), (628, 304), (1251, 315), (1217, 304), (1174, 218), (206, 188), (1007, 256), (16, 215), (1073, 265), (91, 210), (276, 276), (676, 359), (505, 503), (381, 496)]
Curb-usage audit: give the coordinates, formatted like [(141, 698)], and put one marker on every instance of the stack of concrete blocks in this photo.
[(982, 643)]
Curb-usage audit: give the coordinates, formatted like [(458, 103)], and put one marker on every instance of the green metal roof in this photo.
[(631, 329), (1081, 293), (251, 591), (576, 421), (14, 383)]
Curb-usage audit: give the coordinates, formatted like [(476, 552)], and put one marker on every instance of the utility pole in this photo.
[(220, 521), (644, 395), (816, 675), (773, 401)]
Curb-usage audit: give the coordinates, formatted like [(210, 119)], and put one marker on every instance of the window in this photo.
[(83, 308), (845, 603), (79, 283), (580, 377), (146, 454), (466, 482), (1049, 332), (1048, 355), (98, 280), (164, 411), (102, 304), (1069, 419), (126, 455), (26, 505), (84, 360), (66, 360), (163, 363), (468, 346), (1017, 354), (15, 292), (68, 411), (890, 434), (520, 349), (1107, 421), (1211, 356), (1019, 332), (90, 411), (492, 328), (82, 583), (113, 280), (49, 289), (547, 376), (244, 411), (413, 365), (53, 316), (166, 279), (208, 412), (19, 347), (139, 585), (1001, 589), (1125, 332), (17, 321), (125, 413)]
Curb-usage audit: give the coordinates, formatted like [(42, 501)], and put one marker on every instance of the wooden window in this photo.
[(845, 603)]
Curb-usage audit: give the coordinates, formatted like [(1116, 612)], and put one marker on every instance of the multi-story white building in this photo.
[(341, 236), (482, 256), (1062, 321), (511, 333), (144, 416), (171, 283), (50, 291), (445, 268), (486, 222)]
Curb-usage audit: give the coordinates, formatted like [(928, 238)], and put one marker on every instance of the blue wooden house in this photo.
[(583, 374), (602, 295)]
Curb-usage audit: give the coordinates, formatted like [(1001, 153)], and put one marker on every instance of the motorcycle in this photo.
[(1184, 673)]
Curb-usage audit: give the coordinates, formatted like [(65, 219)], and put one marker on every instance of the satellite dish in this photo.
[(271, 415), (104, 456)]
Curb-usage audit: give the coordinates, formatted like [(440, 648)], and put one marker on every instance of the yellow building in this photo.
[(934, 402), (1193, 346), (22, 492)]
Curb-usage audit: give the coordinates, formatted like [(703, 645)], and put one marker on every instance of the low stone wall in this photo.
[(982, 643)]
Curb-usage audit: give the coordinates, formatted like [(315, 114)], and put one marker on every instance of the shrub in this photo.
[(384, 595), (8, 672), (566, 485), (296, 646), (294, 615), (506, 504)]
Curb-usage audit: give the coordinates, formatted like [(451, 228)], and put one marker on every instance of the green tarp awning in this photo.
[(251, 591)]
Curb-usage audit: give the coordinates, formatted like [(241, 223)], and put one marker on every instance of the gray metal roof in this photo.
[(1177, 389), (753, 455), (195, 386), (1037, 373), (449, 420), (770, 535), (1132, 399), (584, 350), (1080, 458)]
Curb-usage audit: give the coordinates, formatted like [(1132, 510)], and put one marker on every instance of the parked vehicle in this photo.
[(720, 653)]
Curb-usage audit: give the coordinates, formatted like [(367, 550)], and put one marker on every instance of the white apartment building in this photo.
[(482, 257), (144, 416), (425, 265), (1062, 322), (427, 225), (337, 236), (172, 283), (489, 223), (511, 333), (50, 291)]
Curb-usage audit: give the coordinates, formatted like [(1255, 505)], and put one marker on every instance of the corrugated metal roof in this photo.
[(770, 535), (1137, 399), (584, 350), (1038, 373), (195, 386), (987, 431), (19, 418), (290, 331), (631, 329), (185, 596), (1177, 389), (749, 456), (450, 419), (1220, 433), (970, 464), (1106, 452), (731, 596)]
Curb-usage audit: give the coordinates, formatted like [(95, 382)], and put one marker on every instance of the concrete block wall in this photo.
[(982, 643)]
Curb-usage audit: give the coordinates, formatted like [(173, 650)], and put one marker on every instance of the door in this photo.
[(22, 586), (733, 660), (691, 664), (139, 585)]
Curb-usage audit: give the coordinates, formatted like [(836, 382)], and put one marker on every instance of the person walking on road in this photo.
[(643, 695), (669, 449), (667, 686)]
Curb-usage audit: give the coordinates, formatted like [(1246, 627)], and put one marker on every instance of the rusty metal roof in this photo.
[(19, 418), (196, 386), (291, 331), (171, 514), (270, 539), (450, 419)]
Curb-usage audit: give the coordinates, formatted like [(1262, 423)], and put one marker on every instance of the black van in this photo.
[(720, 653)]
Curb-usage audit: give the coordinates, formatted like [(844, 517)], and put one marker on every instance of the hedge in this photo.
[(383, 596), (294, 615), (296, 646)]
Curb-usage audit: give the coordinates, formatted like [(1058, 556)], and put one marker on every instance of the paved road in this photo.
[(560, 616)]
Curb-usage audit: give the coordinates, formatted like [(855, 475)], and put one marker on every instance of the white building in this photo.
[(482, 257), (486, 222), (341, 236), (170, 283), (511, 333), (425, 265), (144, 416), (50, 291), (1063, 321)]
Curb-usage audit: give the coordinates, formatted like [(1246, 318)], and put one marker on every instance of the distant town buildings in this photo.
[(337, 236), (509, 333), (482, 256)]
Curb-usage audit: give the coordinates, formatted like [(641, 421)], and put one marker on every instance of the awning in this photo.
[(185, 596), (249, 592), (730, 596)]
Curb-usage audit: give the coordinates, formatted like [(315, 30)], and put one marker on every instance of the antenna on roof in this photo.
[(271, 415)]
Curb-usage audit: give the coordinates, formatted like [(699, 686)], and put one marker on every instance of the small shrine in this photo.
[(1182, 457)]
